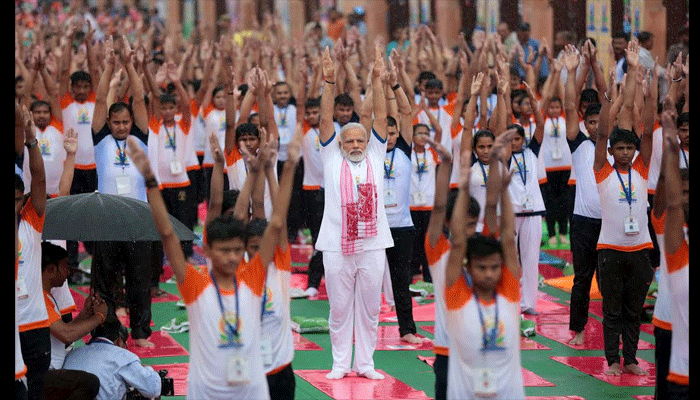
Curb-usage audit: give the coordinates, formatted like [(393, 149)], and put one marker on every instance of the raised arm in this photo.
[(500, 154), (379, 100), (216, 190), (70, 144), (651, 95), (458, 224), (231, 97), (470, 114), (404, 106), (675, 218), (604, 123), (36, 165), (571, 61), (442, 188), (327, 98), (625, 120), (99, 115), (537, 113), (184, 97)]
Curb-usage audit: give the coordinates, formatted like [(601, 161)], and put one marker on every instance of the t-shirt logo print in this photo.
[(623, 197), (83, 116), (269, 303), (45, 147), (227, 338), (494, 338)]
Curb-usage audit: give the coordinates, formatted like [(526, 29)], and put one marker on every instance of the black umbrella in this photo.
[(104, 217)]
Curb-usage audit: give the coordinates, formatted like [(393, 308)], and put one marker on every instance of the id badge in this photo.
[(527, 204), (556, 154), (237, 371), (22, 292), (175, 167), (123, 184), (419, 198), (631, 225), (484, 382), (266, 351), (389, 198)]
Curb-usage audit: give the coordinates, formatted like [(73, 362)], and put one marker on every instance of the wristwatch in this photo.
[(32, 145)]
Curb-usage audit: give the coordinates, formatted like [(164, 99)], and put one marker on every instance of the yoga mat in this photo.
[(525, 343), (422, 313), (302, 343), (301, 253), (647, 328), (388, 339), (593, 337), (545, 306), (358, 387), (165, 346), (641, 397), (548, 318), (596, 366), (550, 271), (169, 297), (78, 299), (178, 372), (564, 255), (298, 281), (124, 319), (530, 379), (566, 282), (596, 308), (322, 294)]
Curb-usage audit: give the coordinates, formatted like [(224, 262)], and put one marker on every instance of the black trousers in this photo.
[(36, 352), (207, 171), (419, 261), (313, 201), (181, 203), (133, 260), (678, 392), (67, 384), (20, 390), (282, 384), (624, 279), (295, 220), (662, 359), (440, 370), (584, 238), (399, 260), (655, 253), (556, 198), (84, 181)]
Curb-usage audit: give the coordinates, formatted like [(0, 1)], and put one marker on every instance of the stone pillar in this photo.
[(172, 22), (653, 14), (448, 21), (540, 16), (297, 20), (376, 17)]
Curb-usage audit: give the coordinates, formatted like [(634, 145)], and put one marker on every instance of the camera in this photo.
[(167, 387)]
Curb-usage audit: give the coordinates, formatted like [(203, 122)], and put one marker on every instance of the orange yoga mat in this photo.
[(565, 283)]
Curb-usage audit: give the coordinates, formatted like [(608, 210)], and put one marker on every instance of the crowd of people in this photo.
[(404, 159)]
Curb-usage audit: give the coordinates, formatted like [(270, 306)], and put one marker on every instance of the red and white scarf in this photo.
[(359, 215)]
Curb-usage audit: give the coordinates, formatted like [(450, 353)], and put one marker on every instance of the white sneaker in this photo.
[(372, 374), (311, 292), (335, 374)]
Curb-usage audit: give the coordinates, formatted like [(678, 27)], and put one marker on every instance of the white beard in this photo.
[(355, 158)]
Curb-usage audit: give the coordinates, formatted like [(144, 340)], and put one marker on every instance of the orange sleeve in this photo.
[(194, 107), (233, 156), (433, 254), (51, 309), (283, 258), (604, 172), (194, 284), (185, 125), (436, 158), (66, 100), (456, 130), (457, 295), (56, 124), (252, 274), (305, 127), (508, 286), (206, 111), (679, 259), (658, 223), (449, 108), (154, 125), (639, 166), (29, 214)]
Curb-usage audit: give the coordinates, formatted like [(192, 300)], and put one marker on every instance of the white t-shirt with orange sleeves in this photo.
[(477, 189), (116, 174), (662, 306), (276, 328), (237, 171), (615, 208), (444, 118), (466, 333), (437, 262), (422, 188), (50, 143), (58, 348), (212, 345), (679, 281), (456, 149), (169, 151), (214, 121), (311, 152), (31, 309), (199, 138), (526, 196), (79, 117), (655, 160), (64, 299), (286, 120), (555, 152), (20, 367)]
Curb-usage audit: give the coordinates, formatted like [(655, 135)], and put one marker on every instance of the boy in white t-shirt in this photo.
[(224, 304)]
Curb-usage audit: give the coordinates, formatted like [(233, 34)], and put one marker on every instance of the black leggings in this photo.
[(556, 198), (282, 384), (399, 260)]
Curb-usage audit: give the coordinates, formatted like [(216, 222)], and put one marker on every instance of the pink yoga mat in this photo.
[(358, 387), (299, 281), (563, 254), (593, 338), (124, 319), (554, 398), (388, 339), (549, 318), (545, 306), (302, 343), (166, 298), (165, 346), (644, 397), (422, 313), (525, 343), (179, 373), (596, 366), (530, 379)]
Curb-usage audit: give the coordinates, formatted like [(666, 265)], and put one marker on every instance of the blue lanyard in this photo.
[(483, 171), (121, 152), (421, 168), (488, 338), (521, 171), (685, 158), (556, 127), (171, 139), (232, 330), (387, 172), (628, 189)]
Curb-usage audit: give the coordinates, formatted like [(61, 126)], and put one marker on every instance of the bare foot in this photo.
[(121, 312), (577, 340), (143, 343), (411, 338), (634, 369), (614, 369)]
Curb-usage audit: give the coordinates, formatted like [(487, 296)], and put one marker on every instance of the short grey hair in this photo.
[(349, 126)]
